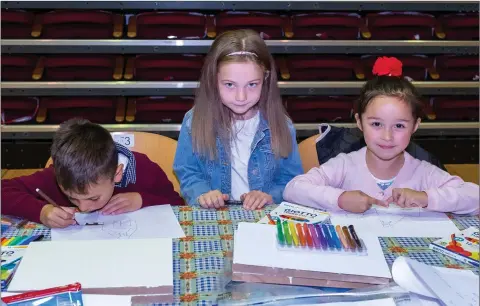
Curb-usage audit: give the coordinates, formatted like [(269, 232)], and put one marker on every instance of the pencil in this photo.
[(46, 198)]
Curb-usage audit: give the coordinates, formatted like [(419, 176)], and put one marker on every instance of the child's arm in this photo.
[(448, 193), (19, 197), (187, 168), (288, 169), (320, 187)]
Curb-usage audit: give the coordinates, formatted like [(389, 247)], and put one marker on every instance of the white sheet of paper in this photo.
[(398, 222), (451, 286), (262, 239), (95, 264), (377, 302), (98, 299), (149, 222)]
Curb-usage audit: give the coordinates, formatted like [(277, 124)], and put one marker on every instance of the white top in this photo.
[(241, 144)]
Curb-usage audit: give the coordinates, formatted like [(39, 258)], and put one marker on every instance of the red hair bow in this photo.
[(389, 66)]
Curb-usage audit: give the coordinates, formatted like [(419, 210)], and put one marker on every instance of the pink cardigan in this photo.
[(321, 187)]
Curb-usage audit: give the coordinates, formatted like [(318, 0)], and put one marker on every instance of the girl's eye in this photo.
[(376, 124), (229, 85), (399, 126), (252, 85)]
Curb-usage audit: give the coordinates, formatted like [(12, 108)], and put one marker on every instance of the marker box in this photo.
[(325, 238)]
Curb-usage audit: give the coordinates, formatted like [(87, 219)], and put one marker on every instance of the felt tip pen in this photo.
[(321, 237), (301, 235), (338, 229), (313, 233), (349, 239), (336, 239), (308, 235), (328, 236), (280, 236), (270, 220), (293, 233), (286, 233), (355, 237)]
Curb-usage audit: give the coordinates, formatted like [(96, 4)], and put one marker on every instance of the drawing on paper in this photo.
[(120, 229), (387, 217)]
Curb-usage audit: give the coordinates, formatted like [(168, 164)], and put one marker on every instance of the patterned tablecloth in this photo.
[(199, 258)]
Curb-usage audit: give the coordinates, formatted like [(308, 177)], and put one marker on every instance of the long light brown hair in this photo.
[(211, 118)]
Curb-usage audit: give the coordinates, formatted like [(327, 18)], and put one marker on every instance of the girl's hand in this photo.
[(255, 199), (357, 202), (212, 199), (406, 198)]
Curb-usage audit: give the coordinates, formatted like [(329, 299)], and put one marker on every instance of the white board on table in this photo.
[(262, 239), (398, 222), (135, 266), (150, 222)]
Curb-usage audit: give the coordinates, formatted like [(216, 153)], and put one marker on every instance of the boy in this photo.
[(90, 172)]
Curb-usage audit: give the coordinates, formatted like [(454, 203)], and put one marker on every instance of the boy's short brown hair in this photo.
[(82, 153)]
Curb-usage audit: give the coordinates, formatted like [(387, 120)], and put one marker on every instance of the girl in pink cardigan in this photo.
[(389, 111)]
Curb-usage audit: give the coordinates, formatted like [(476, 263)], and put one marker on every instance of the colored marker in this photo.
[(9, 240), (355, 237), (3, 240), (301, 235), (286, 233), (349, 239), (280, 236), (335, 238), (294, 234), (321, 236), (338, 229), (453, 240), (308, 235), (270, 220), (16, 240), (313, 234), (328, 236)]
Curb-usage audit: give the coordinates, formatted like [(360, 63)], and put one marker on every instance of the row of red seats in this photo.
[(187, 67), (171, 109), (92, 24)]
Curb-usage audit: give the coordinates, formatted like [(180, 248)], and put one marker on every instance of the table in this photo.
[(200, 258)]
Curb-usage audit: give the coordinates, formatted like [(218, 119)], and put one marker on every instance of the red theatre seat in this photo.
[(171, 25), (19, 109), (455, 108), (96, 109), (346, 26), (458, 26), (401, 25), (268, 25), (79, 24), (158, 109), (457, 67), (18, 67), (317, 109), (17, 24), (170, 67)]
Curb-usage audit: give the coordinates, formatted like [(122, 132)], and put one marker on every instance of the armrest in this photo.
[(283, 67), (128, 75), (37, 27), (120, 114), (39, 68), (211, 28), (118, 22), (118, 72), (288, 27), (132, 27), (131, 110), (41, 114)]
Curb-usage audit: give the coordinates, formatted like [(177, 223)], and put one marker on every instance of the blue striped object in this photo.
[(130, 174)]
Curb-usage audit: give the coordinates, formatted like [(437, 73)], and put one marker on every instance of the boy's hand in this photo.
[(357, 201), (255, 199), (212, 199), (405, 198), (123, 203), (57, 217)]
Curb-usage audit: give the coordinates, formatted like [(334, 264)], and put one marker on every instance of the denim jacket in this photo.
[(198, 175)]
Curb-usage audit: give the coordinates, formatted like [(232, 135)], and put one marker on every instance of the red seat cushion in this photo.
[(160, 109), (327, 26), (457, 67), (77, 24), (18, 67), (95, 109), (414, 66), (171, 25), (16, 24), (79, 67), (456, 108), (401, 25), (268, 25), (19, 109), (460, 26), (316, 109), (309, 67), (172, 67)]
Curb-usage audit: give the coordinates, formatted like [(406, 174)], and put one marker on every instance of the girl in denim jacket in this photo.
[(237, 143)]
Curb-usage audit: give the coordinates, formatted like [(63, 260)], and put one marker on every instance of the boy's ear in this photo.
[(118, 174), (417, 124), (359, 121)]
